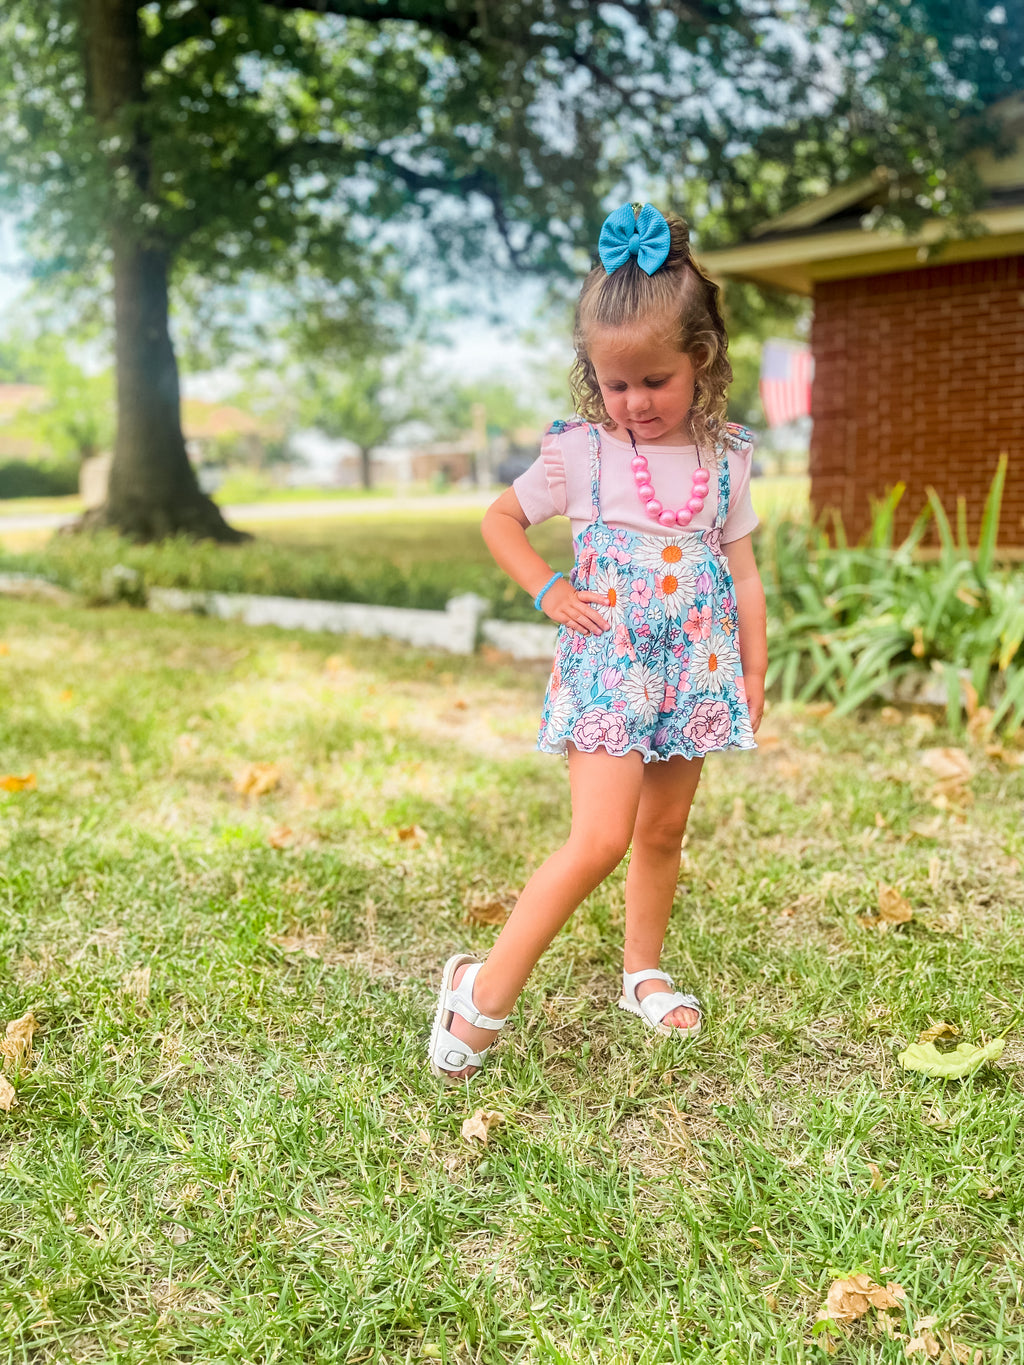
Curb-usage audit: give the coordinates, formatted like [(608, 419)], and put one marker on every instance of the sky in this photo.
[(476, 346)]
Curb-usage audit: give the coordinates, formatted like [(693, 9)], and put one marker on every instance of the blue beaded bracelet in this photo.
[(540, 596)]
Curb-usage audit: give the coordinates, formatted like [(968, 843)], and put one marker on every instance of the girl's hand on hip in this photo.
[(572, 609)]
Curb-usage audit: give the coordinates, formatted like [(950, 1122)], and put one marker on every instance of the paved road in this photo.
[(289, 511)]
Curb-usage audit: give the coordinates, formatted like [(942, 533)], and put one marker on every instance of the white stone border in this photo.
[(459, 629)]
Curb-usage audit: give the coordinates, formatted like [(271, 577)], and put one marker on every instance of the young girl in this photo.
[(661, 651)]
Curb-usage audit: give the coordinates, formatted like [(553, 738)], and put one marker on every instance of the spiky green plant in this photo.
[(847, 623)]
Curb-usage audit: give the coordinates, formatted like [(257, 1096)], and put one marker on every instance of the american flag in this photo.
[(786, 371)]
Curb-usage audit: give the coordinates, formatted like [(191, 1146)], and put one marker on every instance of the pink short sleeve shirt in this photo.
[(558, 484)]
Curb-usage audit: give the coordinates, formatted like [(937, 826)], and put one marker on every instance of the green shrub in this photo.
[(326, 573), (23, 479), (847, 623)]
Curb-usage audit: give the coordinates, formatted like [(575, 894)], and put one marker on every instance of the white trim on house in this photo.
[(797, 263)]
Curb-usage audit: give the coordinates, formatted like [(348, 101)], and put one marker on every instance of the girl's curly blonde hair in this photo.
[(679, 303)]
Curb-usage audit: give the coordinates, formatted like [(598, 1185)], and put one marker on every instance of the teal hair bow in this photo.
[(645, 236)]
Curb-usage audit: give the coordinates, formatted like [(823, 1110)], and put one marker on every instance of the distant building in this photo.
[(919, 358), (450, 462), (211, 429)]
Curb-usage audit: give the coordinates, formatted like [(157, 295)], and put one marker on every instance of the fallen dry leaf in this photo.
[(849, 1299), (925, 1343), (490, 907), (948, 765), (282, 837), (16, 1048), (939, 1345), (10, 783), (877, 1179), (938, 1031), (951, 798), (256, 779), (478, 1125), (413, 835), (893, 907), (8, 1099), (1013, 758)]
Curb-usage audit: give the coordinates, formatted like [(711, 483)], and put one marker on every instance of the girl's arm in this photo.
[(750, 613), (504, 530)]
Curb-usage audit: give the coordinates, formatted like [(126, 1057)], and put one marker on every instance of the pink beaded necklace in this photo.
[(655, 509)]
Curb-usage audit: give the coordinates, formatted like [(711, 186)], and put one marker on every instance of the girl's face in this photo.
[(647, 386)]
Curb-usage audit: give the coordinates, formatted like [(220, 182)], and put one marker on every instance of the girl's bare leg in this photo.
[(605, 796), (666, 795)]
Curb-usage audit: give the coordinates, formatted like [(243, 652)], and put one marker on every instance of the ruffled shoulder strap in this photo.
[(564, 424), (736, 437)]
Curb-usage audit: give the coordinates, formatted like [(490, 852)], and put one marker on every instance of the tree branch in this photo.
[(428, 14)]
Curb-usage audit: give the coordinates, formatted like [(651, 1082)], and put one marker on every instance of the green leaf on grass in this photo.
[(927, 1058)]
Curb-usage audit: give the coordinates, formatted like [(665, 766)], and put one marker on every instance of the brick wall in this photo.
[(919, 378)]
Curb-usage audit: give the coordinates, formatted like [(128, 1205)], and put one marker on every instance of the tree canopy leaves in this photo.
[(345, 139)]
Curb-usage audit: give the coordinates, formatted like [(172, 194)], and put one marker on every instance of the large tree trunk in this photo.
[(366, 466), (153, 490)]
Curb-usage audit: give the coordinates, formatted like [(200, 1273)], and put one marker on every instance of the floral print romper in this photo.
[(665, 679)]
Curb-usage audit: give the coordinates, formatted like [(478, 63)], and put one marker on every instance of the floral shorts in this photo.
[(665, 678)]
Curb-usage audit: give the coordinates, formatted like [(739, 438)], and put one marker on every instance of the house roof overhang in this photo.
[(831, 237)]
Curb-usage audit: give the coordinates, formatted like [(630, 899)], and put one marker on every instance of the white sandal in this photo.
[(653, 1008), (446, 1052)]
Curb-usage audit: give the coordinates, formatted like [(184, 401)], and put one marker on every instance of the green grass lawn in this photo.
[(228, 1146), (30, 507)]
